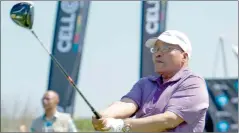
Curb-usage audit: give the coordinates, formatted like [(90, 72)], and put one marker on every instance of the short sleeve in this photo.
[(135, 93), (71, 125), (191, 100)]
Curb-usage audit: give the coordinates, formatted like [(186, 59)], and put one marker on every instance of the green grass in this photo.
[(84, 125), (7, 124)]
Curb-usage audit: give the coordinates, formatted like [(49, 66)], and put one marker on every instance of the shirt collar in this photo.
[(56, 115), (176, 77)]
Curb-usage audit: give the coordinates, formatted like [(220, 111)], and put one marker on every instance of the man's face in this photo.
[(49, 101), (167, 57)]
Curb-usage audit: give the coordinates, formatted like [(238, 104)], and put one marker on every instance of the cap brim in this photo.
[(151, 42)]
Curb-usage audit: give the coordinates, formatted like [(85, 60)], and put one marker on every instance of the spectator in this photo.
[(51, 120)]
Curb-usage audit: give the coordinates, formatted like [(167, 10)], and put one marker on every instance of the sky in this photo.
[(111, 57)]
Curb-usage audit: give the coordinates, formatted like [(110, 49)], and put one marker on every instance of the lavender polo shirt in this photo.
[(185, 94)]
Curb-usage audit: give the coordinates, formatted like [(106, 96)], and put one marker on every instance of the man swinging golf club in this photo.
[(175, 101)]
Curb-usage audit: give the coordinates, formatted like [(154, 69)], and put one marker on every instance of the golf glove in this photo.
[(115, 125)]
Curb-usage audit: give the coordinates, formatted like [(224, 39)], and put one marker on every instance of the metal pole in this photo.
[(221, 41)]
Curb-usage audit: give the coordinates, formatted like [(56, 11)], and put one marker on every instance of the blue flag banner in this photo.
[(153, 23), (67, 47)]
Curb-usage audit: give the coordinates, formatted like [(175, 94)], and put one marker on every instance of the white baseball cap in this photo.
[(172, 37)]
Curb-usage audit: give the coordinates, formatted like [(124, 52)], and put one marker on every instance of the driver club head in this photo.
[(23, 14)]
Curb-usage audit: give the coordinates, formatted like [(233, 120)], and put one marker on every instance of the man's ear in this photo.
[(185, 57), (58, 101)]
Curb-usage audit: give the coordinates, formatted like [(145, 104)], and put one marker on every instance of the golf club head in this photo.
[(23, 14)]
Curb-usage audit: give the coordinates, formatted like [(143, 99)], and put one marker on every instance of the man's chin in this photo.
[(160, 70), (46, 108)]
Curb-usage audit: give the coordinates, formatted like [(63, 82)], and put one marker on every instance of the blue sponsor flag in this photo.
[(153, 23), (67, 47)]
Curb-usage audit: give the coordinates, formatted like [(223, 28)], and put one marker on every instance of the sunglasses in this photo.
[(164, 49)]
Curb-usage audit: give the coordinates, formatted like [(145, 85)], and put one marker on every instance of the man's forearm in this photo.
[(118, 110), (156, 123)]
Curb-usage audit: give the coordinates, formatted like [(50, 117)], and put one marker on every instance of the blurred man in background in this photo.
[(52, 120), (175, 101)]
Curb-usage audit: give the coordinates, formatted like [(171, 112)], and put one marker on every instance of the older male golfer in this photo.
[(175, 101)]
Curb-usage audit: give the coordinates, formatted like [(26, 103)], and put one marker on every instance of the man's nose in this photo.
[(45, 101), (158, 54)]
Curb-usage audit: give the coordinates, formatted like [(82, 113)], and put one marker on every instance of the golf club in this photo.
[(23, 15)]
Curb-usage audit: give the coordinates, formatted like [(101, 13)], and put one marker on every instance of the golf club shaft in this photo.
[(67, 77)]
